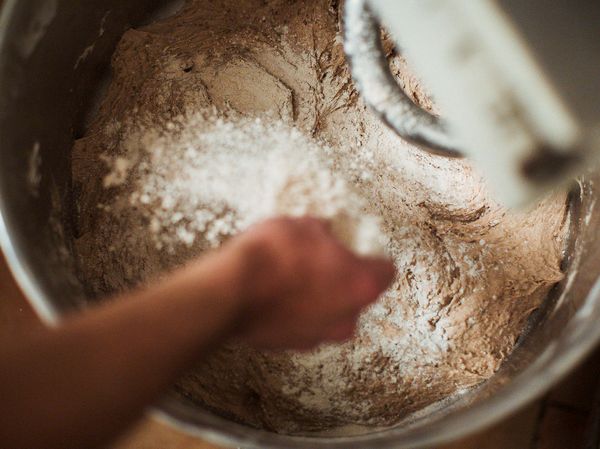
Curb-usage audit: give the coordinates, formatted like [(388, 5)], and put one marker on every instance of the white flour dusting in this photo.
[(211, 179)]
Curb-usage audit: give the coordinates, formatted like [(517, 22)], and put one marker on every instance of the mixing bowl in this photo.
[(54, 59)]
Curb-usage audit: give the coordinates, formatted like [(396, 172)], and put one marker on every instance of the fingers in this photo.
[(382, 270), (343, 331), (371, 278), (312, 288), (315, 223)]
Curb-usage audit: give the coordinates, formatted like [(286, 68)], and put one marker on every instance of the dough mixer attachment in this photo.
[(506, 102), (371, 73)]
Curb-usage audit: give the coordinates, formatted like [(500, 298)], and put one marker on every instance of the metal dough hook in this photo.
[(370, 70), (517, 105)]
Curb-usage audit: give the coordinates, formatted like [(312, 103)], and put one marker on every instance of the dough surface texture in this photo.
[(226, 72)]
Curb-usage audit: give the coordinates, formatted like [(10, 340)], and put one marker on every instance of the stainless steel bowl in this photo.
[(46, 91)]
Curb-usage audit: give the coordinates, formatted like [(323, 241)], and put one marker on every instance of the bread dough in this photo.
[(469, 271)]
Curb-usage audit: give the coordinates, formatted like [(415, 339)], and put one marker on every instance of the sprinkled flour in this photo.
[(211, 179)]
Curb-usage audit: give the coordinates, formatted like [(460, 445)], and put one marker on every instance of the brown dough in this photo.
[(470, 272)]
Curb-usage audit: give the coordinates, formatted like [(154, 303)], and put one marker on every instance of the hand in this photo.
[(300, 286)]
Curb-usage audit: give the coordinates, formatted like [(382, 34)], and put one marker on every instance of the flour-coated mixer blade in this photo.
[(518, 83)]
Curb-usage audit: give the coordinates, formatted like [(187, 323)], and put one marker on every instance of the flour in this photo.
[(211, 179), (176, 163)]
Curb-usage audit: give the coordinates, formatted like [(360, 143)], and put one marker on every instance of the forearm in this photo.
[(79, 385), (86, 380)]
